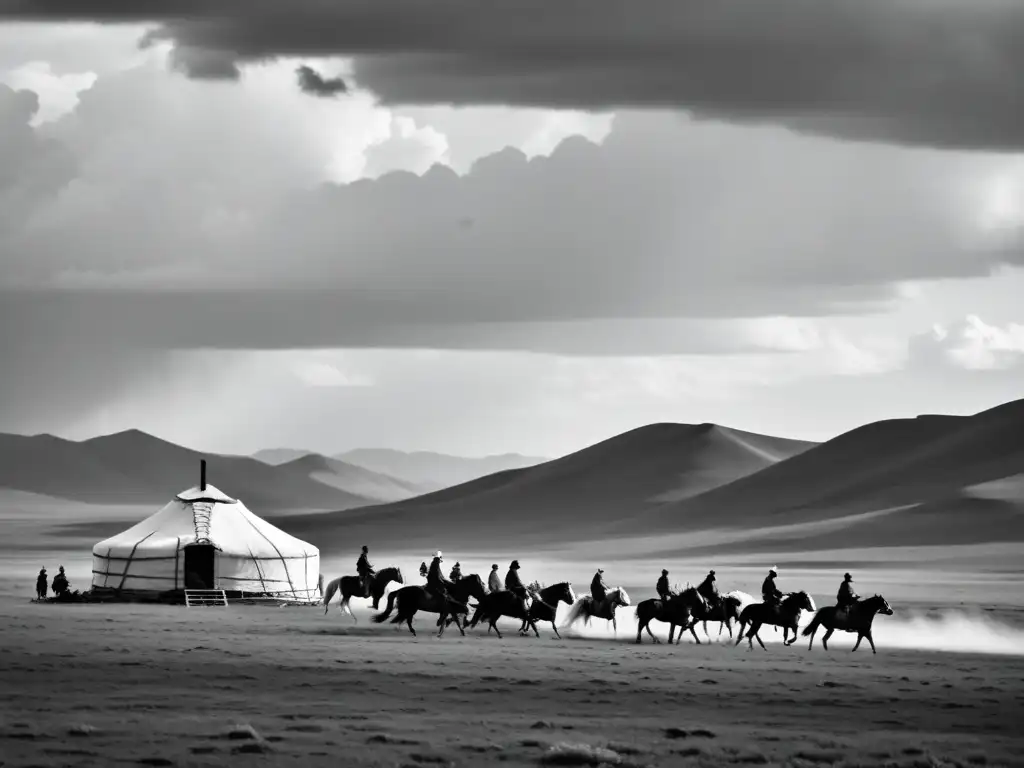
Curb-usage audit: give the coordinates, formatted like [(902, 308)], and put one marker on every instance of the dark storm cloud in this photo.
[(935, 72), (312, 82)]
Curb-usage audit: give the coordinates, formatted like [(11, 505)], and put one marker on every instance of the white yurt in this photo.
[(204, 539)]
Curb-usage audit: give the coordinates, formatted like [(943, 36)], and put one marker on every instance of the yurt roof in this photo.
[(210, 493)]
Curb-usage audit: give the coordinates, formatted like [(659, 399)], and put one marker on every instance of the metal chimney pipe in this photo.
[(202, 474)]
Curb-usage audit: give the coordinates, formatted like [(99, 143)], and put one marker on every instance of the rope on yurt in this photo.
[(127, 565), (259, 572), (279, 555)]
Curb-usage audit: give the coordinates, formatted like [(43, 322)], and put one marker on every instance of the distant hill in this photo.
[(953, 479), (584, 491), (352, 478), (133, 467), (278, 456), (434, 471)]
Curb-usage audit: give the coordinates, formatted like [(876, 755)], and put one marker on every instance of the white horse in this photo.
[(351, 586), (616, 598)]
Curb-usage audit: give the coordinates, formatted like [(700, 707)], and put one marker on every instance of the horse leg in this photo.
[(824, 639), (813, 632), (692, 625), (860, 636), (870, 640), (647, 626), (555, 629), (494, 626), (739, 635), (408, 621), (442, 623), (346, 607), (460, 625), (706, 634), (534, 625), (727, 623), (615, 626), (757, 637)]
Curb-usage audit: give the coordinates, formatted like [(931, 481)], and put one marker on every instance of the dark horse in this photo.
[(787, 616), (416, 598), (546, 608), (679, 610), (726, 612), (351, 587), (504, 603), (858, 618)]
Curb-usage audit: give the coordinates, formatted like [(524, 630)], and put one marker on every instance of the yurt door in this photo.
[(199, 560)]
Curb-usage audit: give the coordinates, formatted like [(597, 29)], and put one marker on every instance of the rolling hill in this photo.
[(277, 456), (585, 491), (433, 471), (133, 467), (935, 477)]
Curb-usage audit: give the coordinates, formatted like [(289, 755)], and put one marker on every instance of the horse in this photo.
[(615, 598), (546, 608), (416, 598), (505, 603), (678, 610), (858, 618), (787, 616), (727, 611), (351, 587)]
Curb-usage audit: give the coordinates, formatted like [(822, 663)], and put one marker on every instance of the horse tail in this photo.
[(811, 628), (332, 587), (574, 613), (380, 618)]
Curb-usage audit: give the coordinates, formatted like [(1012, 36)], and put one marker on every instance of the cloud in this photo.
[(32, 167), (667, 218), (971, 344), (312, 82), (937, 72)]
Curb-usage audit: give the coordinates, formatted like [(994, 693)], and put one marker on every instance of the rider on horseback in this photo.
[(365, 571), (662, 586), (456, 573), (847, 597), (598, 590), (708, 589), (515, 585), (494, 580), (435, 581), (771, 594)]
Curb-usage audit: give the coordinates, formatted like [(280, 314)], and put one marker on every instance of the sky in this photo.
[(443, 226)]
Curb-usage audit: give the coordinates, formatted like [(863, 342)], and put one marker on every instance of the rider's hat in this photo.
[(772, 570), (848, 577), (711, 573), (456, 563), (365, 549), (664, 571), (600, 570), (494, 567), (438, 553), (514, 564)]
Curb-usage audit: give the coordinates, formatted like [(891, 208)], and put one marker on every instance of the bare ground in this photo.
[(141, 685)]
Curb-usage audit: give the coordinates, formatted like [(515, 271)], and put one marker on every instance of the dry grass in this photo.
[(148, 685)]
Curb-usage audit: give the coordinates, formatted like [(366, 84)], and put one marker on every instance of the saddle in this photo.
[(845, 612)]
